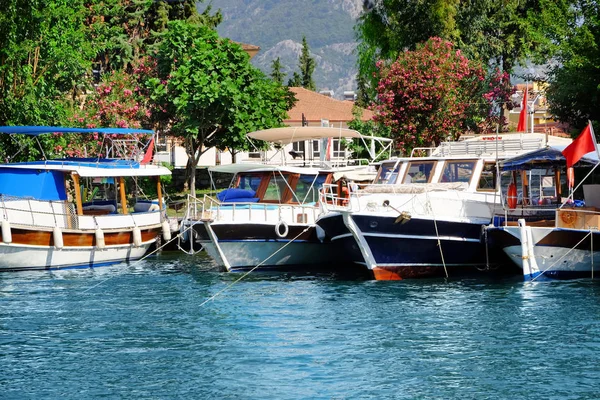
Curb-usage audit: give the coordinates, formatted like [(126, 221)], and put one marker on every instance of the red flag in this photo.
[(522, 127), (584, 143), (148, 156)]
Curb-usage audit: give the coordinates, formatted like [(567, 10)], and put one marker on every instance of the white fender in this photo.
[(57, 236), (100, 242), (278, 229), (6, 232), (166, 230), (137, 237)]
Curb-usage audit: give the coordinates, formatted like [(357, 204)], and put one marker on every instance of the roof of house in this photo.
[(317, 107)]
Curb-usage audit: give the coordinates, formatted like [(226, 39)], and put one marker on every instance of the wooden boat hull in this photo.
[(36, 250)]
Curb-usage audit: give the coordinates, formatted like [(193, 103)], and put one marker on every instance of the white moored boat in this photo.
[(423, 216), (266, 219), (52, 216)]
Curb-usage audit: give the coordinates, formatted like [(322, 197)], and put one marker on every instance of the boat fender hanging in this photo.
[(137, 237), (57, 236), (166, 230), (278, 231), (511, 196), (6, 232), (100, 242)]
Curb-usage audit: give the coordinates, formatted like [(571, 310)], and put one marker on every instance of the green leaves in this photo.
[(212, 94)]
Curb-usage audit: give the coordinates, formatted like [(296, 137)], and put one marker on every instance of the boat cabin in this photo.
[(276, 185)]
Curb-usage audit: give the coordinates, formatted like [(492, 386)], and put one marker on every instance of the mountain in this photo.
[(277, 27)]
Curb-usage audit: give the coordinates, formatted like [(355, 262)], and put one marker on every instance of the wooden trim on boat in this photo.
[(159, 191), (123, 196), (78, 239), (77, 193)]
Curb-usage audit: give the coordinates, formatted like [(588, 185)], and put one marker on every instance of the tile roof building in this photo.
[(316, 107)]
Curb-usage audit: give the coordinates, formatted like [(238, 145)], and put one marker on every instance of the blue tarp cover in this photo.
[(544, 158), (41, 185), (39, 130)]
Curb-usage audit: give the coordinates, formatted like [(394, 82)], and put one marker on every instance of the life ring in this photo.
[(511, 197), (568, 217), (278, 229)]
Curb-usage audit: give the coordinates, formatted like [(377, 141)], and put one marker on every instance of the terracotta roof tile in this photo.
[(316, 107)]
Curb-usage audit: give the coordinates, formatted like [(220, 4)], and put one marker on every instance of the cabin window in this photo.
[(316, 149), (339, 148), (250, 182), (487, 179), (307, 191), (387, 173), (419, 172), (276, 188), (255, 154), (458, 171)]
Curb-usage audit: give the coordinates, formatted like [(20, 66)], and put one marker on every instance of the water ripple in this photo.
[(139, 331)]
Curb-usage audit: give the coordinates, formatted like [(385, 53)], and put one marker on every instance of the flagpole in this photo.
[(594, 139)]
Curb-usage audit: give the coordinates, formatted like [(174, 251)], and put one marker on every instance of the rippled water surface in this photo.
[(146, 330)]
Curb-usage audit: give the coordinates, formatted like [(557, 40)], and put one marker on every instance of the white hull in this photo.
[(25, 257), (270, 255)]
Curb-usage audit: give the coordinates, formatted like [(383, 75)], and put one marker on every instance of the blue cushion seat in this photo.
[(237, 195)]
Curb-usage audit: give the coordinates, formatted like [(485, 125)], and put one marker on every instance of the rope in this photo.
[(439, 242), (252, 270), (140, 260)]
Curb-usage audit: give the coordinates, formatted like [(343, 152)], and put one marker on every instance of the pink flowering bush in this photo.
[(435, 93), (118, 101)]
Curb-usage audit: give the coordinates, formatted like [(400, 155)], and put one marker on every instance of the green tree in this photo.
[(295, 80), (210, 92), (500, 34), (45, 55), (574, 90), (276, 74), (307, 66)]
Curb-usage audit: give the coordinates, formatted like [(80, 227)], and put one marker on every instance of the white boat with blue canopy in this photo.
[(556, 235), (76, 212)]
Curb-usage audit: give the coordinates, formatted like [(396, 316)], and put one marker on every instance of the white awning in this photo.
[(287, 135)]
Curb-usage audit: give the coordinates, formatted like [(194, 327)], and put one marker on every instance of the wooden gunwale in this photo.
[(78, 239)]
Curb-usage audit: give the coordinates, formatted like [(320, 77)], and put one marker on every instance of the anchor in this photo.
[(403, 217)]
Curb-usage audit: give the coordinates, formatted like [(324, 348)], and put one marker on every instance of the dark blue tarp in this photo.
[(41, 185), (547, 157), (39, 130)]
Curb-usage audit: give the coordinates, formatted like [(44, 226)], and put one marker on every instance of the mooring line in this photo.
[(252, 270), (563, 256), (141, 259)]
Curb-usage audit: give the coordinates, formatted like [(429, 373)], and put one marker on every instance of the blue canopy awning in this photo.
[(547, 157), (39, 130)]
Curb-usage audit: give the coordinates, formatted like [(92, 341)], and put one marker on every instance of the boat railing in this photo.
[(211, 209), (332, 199), (551, 216), (31, 212)]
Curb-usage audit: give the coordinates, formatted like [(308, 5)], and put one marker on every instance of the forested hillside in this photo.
[(277, 26)]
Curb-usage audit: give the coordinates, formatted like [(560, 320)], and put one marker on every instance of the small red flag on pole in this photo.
[(522, 127), (583, 144), (149, 152)]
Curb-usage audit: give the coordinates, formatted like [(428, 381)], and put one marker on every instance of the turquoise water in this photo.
[(141, 331)]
